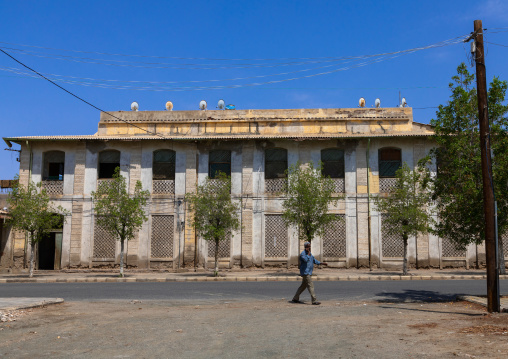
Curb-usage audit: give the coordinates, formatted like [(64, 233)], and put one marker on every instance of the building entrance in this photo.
[(49, 253)]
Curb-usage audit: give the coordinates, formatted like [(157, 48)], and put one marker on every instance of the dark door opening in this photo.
[(47, 252)]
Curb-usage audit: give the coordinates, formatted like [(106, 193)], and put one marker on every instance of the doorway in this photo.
[(49, 252), (49, 248)]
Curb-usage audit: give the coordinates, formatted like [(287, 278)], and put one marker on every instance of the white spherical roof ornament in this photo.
[(221, 104), (202, 105), (377, 103), (134, 106), (403, 102), (361, 103), (169, 106)]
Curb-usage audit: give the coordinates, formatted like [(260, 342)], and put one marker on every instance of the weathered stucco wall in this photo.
[(359, 132)]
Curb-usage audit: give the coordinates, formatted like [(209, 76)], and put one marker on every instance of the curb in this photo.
[(480, 300), (294, 278), (33, 304)]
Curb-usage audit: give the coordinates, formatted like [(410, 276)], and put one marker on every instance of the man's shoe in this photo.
[(297, 301), (316, 303)]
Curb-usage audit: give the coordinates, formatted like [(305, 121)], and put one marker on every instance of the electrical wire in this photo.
[(81, 99), (162, 65), (187, 88), (156, 65), (11, 69), (193, 58), (493, 43)]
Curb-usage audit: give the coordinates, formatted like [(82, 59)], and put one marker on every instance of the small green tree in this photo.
[(408, 206), (31, 212), (308, 197), (215, 214), (117, 212), (458, 186)]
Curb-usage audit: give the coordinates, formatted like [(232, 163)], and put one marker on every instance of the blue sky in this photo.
[(262, 41)]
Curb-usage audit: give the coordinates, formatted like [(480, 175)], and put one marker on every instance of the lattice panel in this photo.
[(275, 185), (163, 186), (53, 187), (392, 244), (104, 244), (504, 238), (339, 185), (217, 184), (450, 250), (224, 248), (99, 181), (276, 237), (163, 230), (334, 239), (386, 184)]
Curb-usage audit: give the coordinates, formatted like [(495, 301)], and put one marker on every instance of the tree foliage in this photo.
[(458, 185), (31, 211), (117, 212), (215, 213), (308, 197), (408, 204)]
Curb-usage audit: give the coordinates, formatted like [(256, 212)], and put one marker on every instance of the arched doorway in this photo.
[(49, 248)]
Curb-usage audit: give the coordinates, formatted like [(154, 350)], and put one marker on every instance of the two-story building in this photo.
[(170, 152)]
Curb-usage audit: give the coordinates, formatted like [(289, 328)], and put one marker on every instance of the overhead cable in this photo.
[(81, 99)]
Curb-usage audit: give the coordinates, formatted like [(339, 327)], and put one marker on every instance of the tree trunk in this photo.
[(216, 271), (502, 265), (404, 263), (121, 257), (32, 252)]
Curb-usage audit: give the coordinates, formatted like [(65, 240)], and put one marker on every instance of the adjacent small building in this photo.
[(170, 152)]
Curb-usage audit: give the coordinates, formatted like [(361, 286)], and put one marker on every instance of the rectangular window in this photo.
[(163, 166), (219, 161), (276, 163), (333, 163)]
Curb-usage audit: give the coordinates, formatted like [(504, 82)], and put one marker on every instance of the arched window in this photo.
[(333, 162), (163, 167), (390, 160), (108, 161), (53, 168), (276, 163), (219, 161)]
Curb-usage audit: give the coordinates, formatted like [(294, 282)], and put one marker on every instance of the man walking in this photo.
[(307, 262)]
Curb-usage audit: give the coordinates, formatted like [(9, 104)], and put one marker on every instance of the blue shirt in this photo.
[(307, 262)]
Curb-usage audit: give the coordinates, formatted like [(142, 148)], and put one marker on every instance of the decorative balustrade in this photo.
[(53, 187)]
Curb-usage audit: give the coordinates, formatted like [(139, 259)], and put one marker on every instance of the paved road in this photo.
[(435, 290)]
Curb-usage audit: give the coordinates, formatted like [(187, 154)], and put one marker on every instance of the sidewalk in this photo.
[(238, 275)]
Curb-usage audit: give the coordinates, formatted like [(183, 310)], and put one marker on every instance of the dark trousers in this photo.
[(306, 283)]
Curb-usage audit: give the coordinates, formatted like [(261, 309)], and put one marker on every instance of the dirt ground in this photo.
[(268, 329)]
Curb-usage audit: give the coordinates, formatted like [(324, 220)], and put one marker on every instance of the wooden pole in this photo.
[(493, 304)]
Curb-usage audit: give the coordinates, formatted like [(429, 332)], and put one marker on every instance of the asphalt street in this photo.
[(382, 291)]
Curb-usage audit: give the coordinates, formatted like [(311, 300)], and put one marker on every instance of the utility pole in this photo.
[(493, 304)]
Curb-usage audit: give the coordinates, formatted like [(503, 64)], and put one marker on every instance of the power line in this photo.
[(79, 98), (194, 88), (158, 65), (200, 58), (493, 43)]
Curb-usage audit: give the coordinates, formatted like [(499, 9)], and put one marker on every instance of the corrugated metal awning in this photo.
[(214, 137)]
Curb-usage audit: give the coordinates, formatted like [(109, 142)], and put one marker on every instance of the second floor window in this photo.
[(108, 162), (333, 162), (276, 163), (53, 169), (163, 167), (390, 160), (219, 161)]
